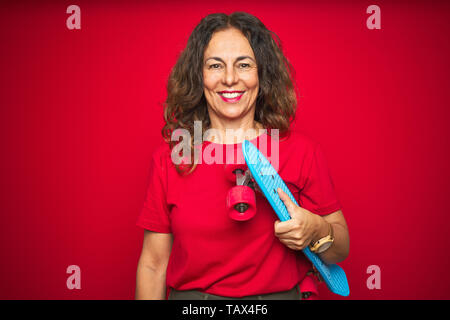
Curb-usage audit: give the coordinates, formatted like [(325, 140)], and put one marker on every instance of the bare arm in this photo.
[(305, 228), (341, 245), (152, 266)]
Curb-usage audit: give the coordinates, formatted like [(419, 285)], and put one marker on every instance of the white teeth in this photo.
[(231, 95)]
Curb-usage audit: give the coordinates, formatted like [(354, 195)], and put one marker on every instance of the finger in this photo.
[(298, 244), (291, 244), (300, 240), (293, 235), (290, 206), (281, 227)]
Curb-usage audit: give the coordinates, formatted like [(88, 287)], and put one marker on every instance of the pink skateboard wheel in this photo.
[(241, 203)]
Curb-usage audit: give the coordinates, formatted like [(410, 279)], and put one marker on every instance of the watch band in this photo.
[(314, 247)]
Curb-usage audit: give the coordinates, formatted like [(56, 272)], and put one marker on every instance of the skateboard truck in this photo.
[(241, 200)]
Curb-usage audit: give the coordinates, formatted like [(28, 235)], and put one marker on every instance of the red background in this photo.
[(81, 114)]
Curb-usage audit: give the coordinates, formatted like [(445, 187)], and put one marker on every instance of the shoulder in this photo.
[(161, 149), (161, 153), (298, 141)]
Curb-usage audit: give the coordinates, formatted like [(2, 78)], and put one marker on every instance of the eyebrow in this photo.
[(237, 59)]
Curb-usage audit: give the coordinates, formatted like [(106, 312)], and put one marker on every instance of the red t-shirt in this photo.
[(215, 254)]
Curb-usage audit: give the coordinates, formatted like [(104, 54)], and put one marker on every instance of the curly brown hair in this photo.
[(276, 102)]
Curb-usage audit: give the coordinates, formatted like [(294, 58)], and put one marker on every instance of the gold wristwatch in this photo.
[(324, 243)]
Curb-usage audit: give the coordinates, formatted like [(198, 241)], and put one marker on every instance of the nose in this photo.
[(230, 76)]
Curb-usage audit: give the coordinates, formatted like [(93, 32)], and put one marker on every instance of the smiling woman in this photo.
[(232, 75), (230, 53), (230, 78)]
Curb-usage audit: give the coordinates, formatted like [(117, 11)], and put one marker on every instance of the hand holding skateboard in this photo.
[(241, 204)]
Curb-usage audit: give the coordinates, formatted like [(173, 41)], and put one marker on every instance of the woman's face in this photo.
[(230, 65)]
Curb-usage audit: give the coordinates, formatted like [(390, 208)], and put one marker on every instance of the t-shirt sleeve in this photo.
[(154, 215), (318, 193)]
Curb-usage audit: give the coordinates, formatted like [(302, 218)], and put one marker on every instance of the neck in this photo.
[(232, 133)]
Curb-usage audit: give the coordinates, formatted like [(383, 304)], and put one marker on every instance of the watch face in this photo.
[(324, 246)]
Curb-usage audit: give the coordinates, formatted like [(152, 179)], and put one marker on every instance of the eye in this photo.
[(245, 65), (212, 66)]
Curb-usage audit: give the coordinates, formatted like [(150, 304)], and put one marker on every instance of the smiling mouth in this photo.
[(231, 97)]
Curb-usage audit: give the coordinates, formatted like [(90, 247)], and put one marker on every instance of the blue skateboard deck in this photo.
[(269, 181)]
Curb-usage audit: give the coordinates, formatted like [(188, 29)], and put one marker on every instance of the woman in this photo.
[(192, 249)]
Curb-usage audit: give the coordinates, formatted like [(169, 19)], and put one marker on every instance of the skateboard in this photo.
[(258, 174)]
